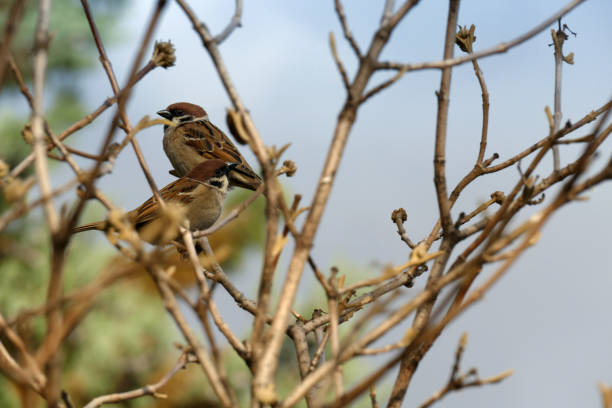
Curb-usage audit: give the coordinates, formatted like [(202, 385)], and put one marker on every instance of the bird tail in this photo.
[(88, 227)]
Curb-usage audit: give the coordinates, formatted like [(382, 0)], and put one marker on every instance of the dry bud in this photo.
[(163, 54), (112, 151), (290, 167), (166, 227), (400, 214), (27, 134), (15, 189), (118, 222), (465, 38), (235, 126), (498, 196)]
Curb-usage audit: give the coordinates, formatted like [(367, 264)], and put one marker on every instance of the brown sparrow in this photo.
[(199, 196), (192, 139)]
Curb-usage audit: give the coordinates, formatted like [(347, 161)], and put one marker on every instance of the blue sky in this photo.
[(549, 317)]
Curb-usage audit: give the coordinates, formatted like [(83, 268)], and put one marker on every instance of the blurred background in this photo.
[(548, 318)]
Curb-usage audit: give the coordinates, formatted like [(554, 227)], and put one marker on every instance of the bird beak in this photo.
[(230, 167), (164, 114)]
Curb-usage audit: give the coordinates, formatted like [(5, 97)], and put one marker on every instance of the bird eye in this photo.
[(178, 112)]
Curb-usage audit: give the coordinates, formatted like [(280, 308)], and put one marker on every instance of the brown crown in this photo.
[(187, 108)]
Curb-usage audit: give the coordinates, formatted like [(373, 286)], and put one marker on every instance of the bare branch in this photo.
[(303, 356), (606, 395), (205, 297), (500, 48), (234, 23), (11, 26), (115, 87), (345, 29), (202, 354), (399, 217), (458, 382), (388, 11), (151, 389), (558, 38), (40, 66), (82, 122), (442, 123), (382, 86), (334, 50), (32, 373)]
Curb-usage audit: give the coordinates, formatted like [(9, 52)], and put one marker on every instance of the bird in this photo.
[(199, 196), (192, 139)]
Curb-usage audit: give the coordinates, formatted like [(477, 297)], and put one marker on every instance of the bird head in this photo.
[(213, 173), (182, 112)]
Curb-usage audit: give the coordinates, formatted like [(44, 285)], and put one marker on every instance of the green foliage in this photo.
[(72, 47)]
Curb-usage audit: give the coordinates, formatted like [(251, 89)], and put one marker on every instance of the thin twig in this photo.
[(81, 123), (202, 354), (115, 87), (399, 217), (41, 45), (319, 352), (334, 315), (558, 38), (444, 204), (382, 86), (121, 102), (345, 29), (11, 26), (500, 48), (234, 23), (29, 365), (339, 64), (206, 298), (303, 356), (387, 12), (351, 395), (442, 124), (264, 385), (151, 389), (19, 210)]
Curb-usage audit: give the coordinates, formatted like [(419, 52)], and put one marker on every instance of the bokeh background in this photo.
[(548, 318)]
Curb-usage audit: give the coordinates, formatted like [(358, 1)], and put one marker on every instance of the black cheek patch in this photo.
[(216, 183)]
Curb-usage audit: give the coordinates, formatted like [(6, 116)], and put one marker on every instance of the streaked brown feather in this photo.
[(199, 199), (193, 138), (149, 210), (211, 143), (100, 225)]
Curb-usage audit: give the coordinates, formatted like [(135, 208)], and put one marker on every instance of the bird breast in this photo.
[(182, 156), (205, 208)]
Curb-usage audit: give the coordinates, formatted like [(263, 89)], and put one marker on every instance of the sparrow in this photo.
[(192, 139), (198, 195)]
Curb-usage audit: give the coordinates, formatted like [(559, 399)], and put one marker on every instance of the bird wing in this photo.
[(211, 143), (178, 191)]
